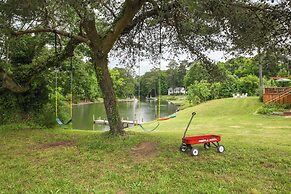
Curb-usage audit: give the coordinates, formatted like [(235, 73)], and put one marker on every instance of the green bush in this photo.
[(249, 84), (215, 89), (270, 108), (46, 116), (199, 92), (229, 87), (9, 109), (26, 108)]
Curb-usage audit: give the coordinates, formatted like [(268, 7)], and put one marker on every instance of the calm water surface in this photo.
[(83, 114)]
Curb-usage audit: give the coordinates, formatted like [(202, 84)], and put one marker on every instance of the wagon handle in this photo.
[(193, 114)]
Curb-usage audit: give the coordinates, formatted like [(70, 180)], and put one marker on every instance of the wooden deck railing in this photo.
[(277, 95)]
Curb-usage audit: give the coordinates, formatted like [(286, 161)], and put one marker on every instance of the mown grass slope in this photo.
[(257, 157)]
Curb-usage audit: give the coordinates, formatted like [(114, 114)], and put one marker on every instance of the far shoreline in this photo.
[(101, 101)]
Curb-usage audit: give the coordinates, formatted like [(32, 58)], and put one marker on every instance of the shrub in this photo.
[(198, 92), (26, 108), (229, 87), (249, 84), (270, 108), (9, 108), (215, 89), (46, 116)]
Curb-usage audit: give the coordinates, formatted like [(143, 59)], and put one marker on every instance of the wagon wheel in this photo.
[(183, 147), (220, 149), (194, 152), (207, 146)]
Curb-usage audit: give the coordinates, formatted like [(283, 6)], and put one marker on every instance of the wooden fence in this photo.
[(277, 95)]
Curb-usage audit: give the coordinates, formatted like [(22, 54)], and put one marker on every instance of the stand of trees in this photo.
[(237, 75)]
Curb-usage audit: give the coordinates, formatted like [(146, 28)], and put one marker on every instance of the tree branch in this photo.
[(186, 43), (130, 8), (60, 32), (56, 60), (139, 19), (109, 9), (9, 83), (194, 51), (156, 11)]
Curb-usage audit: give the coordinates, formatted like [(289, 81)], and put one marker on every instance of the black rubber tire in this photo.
[(220, 149), (194, 152), (183, 147), (207, 146)]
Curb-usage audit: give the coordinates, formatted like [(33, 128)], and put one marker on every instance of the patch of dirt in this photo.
[(268, 165), (67, 143), (144, 150)]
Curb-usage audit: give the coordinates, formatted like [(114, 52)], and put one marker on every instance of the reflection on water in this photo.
[(83, 114)]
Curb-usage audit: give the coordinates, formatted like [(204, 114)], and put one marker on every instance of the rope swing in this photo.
[(58, 120)]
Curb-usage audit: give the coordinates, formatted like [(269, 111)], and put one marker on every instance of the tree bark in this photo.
[(100, 62), (8, 83), (109, 97)]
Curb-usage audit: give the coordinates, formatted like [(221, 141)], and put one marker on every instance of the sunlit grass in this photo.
[(257, 157)]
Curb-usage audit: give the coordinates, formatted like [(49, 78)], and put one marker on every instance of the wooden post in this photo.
[(260, 72)]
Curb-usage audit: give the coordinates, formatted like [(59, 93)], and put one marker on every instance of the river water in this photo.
[(83, 114)]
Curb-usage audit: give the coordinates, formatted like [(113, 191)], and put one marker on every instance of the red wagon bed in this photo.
[(207, 140), (201, 139)]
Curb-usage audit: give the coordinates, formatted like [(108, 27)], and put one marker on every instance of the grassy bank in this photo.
[(257, 157), (179, 100)]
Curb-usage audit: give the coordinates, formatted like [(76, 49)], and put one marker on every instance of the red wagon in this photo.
[(207, 140)]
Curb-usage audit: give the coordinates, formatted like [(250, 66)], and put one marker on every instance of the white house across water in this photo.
[(177, 90)]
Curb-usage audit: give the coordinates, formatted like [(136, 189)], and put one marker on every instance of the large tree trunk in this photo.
[(106, 85), (101, 45)]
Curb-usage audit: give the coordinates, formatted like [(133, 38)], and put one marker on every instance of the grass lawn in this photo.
[(257, 157)]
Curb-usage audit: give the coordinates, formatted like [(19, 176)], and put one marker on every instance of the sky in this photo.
[(146, 65)]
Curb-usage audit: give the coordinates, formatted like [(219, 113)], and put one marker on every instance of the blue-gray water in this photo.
[(83, 114)]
